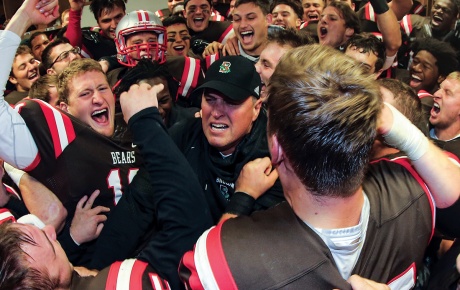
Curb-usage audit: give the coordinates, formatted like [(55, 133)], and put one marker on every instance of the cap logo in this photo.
[(225, 67)]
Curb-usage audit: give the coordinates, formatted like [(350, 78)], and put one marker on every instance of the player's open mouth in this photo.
[(323, 31), (313, 17), (436, 20), (247, 36), (179, 48), (198, 20), (100, 116), (435, 109), (33, 75), (415, 81)]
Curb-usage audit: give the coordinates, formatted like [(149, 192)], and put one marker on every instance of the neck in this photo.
[(448, 133), (320, 212)]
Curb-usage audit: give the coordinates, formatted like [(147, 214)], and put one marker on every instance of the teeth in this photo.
[(199, 19), (435, 105), (219, 126), (99, 112), (246, 33), (180, 47), (416, 77), (437, 18)]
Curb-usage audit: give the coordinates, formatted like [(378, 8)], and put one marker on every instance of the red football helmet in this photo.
[(136, 22)]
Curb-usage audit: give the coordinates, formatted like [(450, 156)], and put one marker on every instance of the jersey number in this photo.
[(114, 182)]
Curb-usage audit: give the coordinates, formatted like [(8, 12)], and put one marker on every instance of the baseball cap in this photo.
[(234, 76)]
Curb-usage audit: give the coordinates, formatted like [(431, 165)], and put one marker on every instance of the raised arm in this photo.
[(388, 25), (74, 33), (441, 175), (17, 146)]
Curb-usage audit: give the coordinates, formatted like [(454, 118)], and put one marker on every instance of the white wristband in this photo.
[(14, 173), (406, 136)]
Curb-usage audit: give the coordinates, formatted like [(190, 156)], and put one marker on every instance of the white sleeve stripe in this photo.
[(124, 274), (4, 216), (190, 76), (203, 267), (226, 37), (406, 25), (62, 132)]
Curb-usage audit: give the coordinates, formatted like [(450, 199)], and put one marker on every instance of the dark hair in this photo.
[(35, 34), (174, 19), (405, 99), (366, 43), (146, 69), (186, 2), (263, 4), (350, 16), (15, 270), (22, 49), (445, 55), (46, 54), (290, 36), (40, 88), (323, 110), (296, 5), (98, 6)]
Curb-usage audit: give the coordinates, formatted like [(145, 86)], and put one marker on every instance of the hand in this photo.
[(359, 283), (231, 47), (385, 121), (76, 5), (256, 177), (105, 65), (87, 222), (139, 97), (85, 272), (40, 12), (212, 48)]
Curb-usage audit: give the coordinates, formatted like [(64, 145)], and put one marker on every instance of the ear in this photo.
[(63, 106), (276, 152), (257, 106), (441, 78), (51, 71), (349, 32), (269, 18), (298, 22), (13, 80), (377, 74)]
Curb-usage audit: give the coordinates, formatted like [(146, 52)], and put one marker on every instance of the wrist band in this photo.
[(241, 203), (380, 6), (14, 173), (406, 136)]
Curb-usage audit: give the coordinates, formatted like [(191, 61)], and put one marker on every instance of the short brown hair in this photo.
[(76, 68), (323, 110), (15, 271), (40, 88)]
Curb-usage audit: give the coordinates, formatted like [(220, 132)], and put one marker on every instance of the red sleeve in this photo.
[(206, 266), (74, 32)]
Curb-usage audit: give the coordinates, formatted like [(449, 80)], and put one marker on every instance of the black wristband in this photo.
[(240, 204), (380, 6)]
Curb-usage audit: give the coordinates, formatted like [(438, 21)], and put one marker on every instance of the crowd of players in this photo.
[(176, 149)]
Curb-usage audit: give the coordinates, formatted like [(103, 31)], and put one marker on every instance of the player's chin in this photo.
[(106, 129)]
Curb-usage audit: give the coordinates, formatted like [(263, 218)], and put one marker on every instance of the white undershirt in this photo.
[(345, 244)]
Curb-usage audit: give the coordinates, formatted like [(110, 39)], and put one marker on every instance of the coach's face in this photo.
[(225, 122)]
